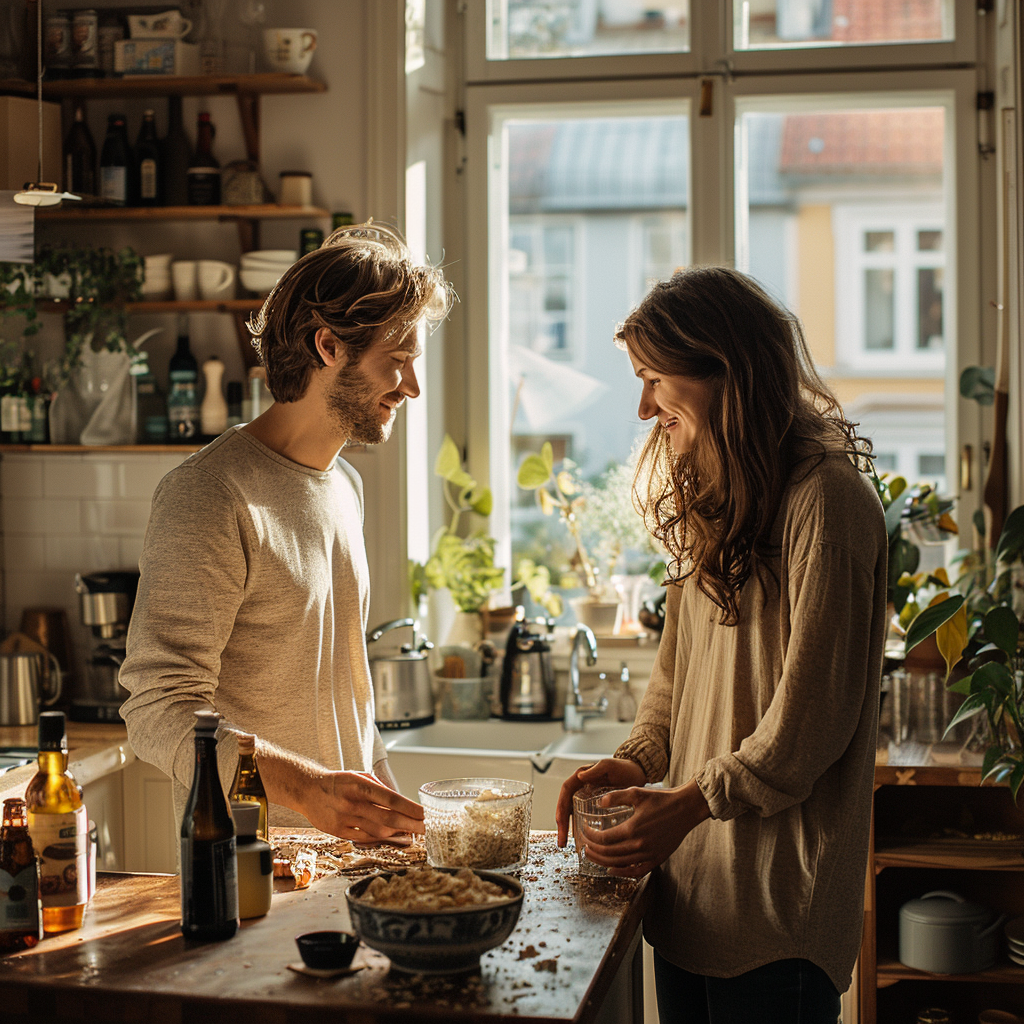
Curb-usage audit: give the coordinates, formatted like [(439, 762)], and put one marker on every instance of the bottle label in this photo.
[(209, 882), (147, 179), (114, 183), (9, 413), (62, 842), (24, 414), (19, 894)]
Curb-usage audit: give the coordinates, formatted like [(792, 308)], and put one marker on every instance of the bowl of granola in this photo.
[(477, 823), (434, 920)]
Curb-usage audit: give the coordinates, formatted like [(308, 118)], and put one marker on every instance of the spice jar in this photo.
[(296, 188)]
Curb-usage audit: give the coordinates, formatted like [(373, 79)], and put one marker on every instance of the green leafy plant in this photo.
[(100, 283), (465, 565), (981, 628)]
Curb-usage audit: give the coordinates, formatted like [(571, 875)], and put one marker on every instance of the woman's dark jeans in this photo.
[(783, 992)]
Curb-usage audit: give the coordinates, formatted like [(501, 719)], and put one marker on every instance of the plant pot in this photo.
[(603, 617), (466, 630)]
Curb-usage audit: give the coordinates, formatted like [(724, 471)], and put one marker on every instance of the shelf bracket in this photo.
[(249, 113)]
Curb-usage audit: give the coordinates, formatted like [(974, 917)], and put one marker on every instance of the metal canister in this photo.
[(57, 44), (341, 219), (111, 31), (310, 239), (85, 51)]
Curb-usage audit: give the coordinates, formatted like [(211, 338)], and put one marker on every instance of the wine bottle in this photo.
[(21, 913), (114, 162), (148, 170), (248, 786), (80, 157), (150, 404), (209, 866), (183, 397), (59, 826), (204, 170), (177, 156)]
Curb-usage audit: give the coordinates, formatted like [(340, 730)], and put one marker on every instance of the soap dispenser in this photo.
[(626, 708)]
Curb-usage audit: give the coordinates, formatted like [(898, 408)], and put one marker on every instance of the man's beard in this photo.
[(355, 405)]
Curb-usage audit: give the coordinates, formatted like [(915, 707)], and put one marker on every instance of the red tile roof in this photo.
[(865, 21)]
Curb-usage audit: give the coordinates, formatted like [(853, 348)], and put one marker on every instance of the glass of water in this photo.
[(587, 810)]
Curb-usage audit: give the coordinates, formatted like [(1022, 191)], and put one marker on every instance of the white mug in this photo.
[(216, 279), (183, 276), (169, 25), (289, 49)]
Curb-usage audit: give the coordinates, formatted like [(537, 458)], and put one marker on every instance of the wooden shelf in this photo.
[(85, 449), (956, 854), (174, 85), (268, 211), (17, 87), (170, 306), (1004, 973)]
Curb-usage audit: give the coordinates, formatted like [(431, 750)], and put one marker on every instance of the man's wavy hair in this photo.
[(713, 507), (362, 284)]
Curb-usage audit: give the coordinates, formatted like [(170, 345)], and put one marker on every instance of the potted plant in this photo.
[(462, 565), (979, 627)]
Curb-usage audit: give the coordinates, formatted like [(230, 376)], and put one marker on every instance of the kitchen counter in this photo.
[(95, 750), (130, 963)]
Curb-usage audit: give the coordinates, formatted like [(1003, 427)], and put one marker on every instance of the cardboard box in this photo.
[(155, 57), (19, 142)]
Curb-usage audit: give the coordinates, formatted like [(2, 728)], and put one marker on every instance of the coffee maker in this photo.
[(105, 602)]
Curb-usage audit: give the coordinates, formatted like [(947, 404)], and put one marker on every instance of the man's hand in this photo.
[(610, 772), (661, 820), (358, 806)]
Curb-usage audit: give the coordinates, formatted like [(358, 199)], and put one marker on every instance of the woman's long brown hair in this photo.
[(714, 506)]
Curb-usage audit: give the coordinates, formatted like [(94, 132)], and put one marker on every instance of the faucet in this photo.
[(576, 712)]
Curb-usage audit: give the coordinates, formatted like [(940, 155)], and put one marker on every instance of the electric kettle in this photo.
[(21, 678), (402, 695), (527, 675)]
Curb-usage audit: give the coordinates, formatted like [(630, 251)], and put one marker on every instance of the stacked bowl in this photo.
[(259, 271), (156, 277)]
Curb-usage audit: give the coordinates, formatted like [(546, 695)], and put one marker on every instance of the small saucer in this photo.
[(338, 972)]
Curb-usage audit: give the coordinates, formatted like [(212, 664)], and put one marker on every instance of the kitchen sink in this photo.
[(491, 737), (15, 757), (598, 739)]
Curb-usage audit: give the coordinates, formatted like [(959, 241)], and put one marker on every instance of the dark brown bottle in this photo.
[(248, 786), (204, 170), (80, 157), (209, 864), (177, 156), (21, 913), (148, 172)]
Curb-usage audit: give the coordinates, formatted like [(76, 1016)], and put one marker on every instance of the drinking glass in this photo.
[(587, 810)]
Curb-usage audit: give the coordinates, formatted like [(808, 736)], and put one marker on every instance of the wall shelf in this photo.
[(959, 855), (171, 306), (87, 449), (1003, 973), (267, 211), (270, 83)]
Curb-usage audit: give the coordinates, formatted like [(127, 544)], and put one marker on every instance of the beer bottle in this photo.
[(248, 786), (21, 915)]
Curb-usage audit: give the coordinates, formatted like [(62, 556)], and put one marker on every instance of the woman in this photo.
[(761, 712)]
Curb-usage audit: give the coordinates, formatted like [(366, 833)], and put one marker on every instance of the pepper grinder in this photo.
[(213, 412)]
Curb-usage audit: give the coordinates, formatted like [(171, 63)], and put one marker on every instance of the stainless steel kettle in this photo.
[(402, 695), (21, 676), (527, 675)]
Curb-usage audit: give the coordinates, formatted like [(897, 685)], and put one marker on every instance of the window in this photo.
[(849, 194)]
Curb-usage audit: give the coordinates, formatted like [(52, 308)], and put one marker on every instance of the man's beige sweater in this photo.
[(775, 718), (253, 597)]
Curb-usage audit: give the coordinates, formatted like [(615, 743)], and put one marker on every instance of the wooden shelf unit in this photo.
[(172, 306), (268, 211), (89, 449), (935, 827)]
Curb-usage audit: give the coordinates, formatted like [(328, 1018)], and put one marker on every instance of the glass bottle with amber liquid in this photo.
[(248, 786), (21, 915), (59, 826), (209, 862)]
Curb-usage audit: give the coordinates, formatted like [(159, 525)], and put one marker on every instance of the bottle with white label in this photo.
[(59, 826), (148, 172), (21, 914), (209, 862), (115, 160)]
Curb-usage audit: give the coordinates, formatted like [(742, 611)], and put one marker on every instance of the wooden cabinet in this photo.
[(936, 828)]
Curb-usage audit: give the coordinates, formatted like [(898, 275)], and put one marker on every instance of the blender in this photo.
[(105, 602)]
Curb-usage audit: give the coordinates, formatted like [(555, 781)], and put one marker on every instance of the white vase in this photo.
[(603, 617), (466, 630)]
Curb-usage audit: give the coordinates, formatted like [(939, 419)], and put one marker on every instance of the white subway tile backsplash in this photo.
[(25, 554), (40, 516), (21, 477), (131, 552), (82, 553), (115, 517), (143, 472), (40, 590)]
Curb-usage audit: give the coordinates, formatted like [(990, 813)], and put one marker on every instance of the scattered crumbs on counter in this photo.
[(528, 951), (543, 945), (245, 963), (546, 965)]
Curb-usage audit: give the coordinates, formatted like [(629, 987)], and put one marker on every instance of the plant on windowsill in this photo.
[(979, 627)]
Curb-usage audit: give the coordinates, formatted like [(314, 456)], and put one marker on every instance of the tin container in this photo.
[(310, 239), (57, 43), (85, 49)]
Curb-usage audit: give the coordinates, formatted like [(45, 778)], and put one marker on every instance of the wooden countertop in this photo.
[(129, 962), (94, 750)]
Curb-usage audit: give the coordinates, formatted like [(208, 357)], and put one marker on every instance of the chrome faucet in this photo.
[(576, 712)]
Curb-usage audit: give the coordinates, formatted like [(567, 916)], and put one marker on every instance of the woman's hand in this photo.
[(358, 806), (610, 772), (661, 820)]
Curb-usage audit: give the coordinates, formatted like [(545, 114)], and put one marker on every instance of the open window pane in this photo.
[(526, 29), (778, 24), (841, 214), (596, 211)]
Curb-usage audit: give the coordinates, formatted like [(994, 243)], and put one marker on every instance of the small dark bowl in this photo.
[(327, 951)]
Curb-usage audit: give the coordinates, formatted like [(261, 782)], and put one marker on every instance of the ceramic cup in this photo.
[(587, 810), (168, 25), (216, 279), (183, 275), (289, 49)]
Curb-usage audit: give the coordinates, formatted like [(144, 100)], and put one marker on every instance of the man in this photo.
[(253, 594)]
